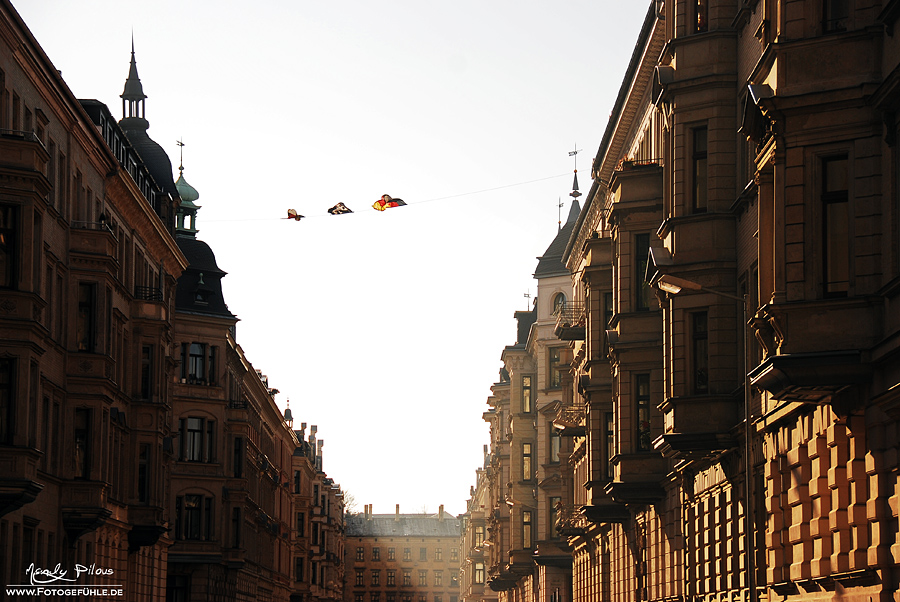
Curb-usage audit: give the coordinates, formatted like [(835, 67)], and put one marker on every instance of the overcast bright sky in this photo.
[(384, 329)]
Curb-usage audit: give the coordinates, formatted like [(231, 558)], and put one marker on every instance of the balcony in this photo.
[(18, 474), (697, 425), (570, 321), (570, 420), (570, 521), (148, 526), (83, 507), (638, 479), (602, 509)]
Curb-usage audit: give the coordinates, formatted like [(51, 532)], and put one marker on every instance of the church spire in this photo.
[(133, 96)]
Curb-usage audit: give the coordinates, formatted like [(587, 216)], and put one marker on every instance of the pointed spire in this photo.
[(133, 96)]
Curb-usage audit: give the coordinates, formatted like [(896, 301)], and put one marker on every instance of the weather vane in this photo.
[(574, 153), (180, 155)]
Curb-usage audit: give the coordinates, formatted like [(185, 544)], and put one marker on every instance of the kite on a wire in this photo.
[(386, 202), (340, 209), (292, 214)]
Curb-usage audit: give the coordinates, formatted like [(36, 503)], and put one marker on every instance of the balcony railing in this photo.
[(570, 521), (148, 293), (570, 420), (570, 321)]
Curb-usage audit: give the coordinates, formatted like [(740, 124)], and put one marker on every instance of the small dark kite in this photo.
[(339, 209)]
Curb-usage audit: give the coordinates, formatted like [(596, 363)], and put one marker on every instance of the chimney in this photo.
[(441, 513), (366, 509), (397, 514)]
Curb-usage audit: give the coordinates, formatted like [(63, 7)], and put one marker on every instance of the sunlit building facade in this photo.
[(402, 557), (735, 423)]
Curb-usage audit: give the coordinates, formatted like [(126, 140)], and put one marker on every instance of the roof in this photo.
[(551, 262), (199, 288), (412, 525)]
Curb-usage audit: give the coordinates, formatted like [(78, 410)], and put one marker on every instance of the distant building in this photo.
[(402, 557)]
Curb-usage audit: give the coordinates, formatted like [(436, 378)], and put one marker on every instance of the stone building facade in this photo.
[(402, 557), (737, 258), (511, 541), (135, 435)]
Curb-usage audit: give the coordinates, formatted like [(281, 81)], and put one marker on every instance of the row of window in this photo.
[(392, 597), (407, 554), (391, 578)]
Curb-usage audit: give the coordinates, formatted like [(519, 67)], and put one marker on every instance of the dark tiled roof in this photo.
[(199, 287), (550, 263), (412, 525), (155, 158)]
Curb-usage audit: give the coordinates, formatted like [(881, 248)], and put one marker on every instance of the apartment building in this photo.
[(402, 557), (735, 421)]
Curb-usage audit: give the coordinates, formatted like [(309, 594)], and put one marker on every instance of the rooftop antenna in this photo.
[(527, 296), (574, 153)]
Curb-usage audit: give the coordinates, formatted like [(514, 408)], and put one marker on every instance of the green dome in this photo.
[(187, 192)]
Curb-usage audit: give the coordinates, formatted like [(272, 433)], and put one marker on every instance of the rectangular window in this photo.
[(146, 371), (235, 527), (699, 179), (479, 536), (407, 577), (610, 443), (237, 461), (554, 368), (196, 364), (376, 553), (439, 578), (834, 15), (197, 439), (555, 503), (438, 554), (423, 578), (454, 555), (298, 569), (85, 320), (301, 524), (641, 286), (700, 352), (391, 554), (144, 473), (642, 396), (192, 512), (360, 578), (554, 444), (376, 577), (836, 220), (82, 443), (526, 529), (391, 577), (479, 572), (406, 554), (527, 392), (360, 553), (527, 470), (423, 553), (701, 16)]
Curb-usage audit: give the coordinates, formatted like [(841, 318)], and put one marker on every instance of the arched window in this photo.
[(559, 302)]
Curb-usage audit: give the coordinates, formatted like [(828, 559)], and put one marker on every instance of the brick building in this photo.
[(401, 557)]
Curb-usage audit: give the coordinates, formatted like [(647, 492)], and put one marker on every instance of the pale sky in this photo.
[(384, 329)]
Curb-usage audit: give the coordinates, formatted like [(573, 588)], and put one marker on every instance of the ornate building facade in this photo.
[(136, 439), (737, 257)]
